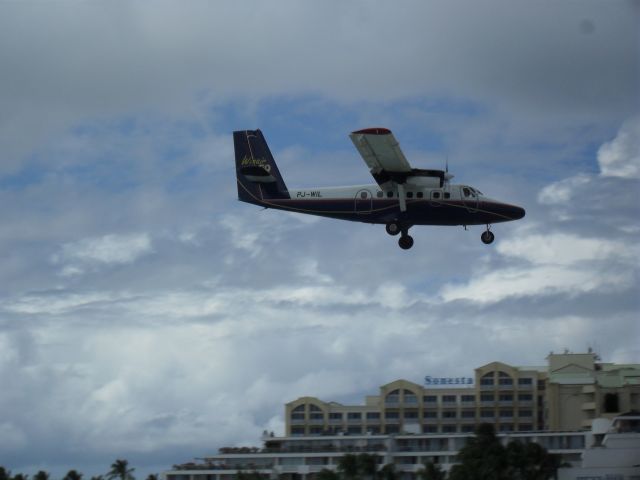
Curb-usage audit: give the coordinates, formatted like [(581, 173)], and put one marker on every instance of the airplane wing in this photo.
[(381, 152)]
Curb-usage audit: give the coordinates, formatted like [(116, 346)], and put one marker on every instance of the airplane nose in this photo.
[(517, 212)]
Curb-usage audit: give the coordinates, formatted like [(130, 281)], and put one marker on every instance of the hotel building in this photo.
[(408, 424), (565, 395)]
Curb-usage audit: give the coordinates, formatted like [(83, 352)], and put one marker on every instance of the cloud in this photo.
[(93, 253), (621, 156)]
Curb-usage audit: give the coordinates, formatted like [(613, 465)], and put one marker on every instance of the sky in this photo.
[(146, 314)]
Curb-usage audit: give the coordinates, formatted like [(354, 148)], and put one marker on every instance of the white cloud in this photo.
[(562, 191), (621, 156), (89, 253)]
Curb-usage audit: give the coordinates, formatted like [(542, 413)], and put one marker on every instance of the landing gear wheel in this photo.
[(392, 228), (405, 242), (487, 237)]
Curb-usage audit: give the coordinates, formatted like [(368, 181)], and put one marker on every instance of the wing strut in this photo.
[(401, 197)]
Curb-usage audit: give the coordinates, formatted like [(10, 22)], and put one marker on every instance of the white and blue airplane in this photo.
[(401, 197)]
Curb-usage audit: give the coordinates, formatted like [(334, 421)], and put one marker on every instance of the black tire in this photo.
[(405, 242), (392, 228), (487, 237)]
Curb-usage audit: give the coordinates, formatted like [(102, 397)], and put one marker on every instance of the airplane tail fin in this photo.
[(256, 171)]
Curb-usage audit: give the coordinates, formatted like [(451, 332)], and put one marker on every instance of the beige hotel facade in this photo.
[(564, 395)]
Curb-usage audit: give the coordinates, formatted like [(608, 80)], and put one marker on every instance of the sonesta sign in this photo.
[(430, 381)]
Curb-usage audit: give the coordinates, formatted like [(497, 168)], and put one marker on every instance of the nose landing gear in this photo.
[(487, 236)]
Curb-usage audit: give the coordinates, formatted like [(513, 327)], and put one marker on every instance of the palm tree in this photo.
[(4, 473), (73, 475), (41, 475), (120, 470)]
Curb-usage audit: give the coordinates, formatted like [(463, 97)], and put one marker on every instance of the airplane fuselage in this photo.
[(451, 205)]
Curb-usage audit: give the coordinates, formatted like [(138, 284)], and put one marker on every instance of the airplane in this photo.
[(401, 197)]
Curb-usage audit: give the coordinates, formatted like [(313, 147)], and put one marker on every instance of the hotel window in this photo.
[(430, 399), (391, 415), (525, 397), (409, 397), (468, 414), (506, 413), (335, 416), (297, 431), (354, 429), (525, 381), (315, 430), (373, 415), (525, 413), (316, 416), (506, 427), (297, 416), (467, 428), (468, 398), (299, 408), (487, 414), (354, 416), (486, 397), (430, 415), (487, 380), (448, 399), (314, 408), (449, 428), (392, 429), (504, 379), (525, 427), (430, 429), (450, 414), (506, 397)]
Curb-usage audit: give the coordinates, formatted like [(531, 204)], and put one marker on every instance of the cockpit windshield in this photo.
[(468, 191)]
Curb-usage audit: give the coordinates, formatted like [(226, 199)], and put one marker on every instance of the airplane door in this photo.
[(470, 199), (363, 201)]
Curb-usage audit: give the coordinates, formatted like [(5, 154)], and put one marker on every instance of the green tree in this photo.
[(326, 474), (482, 458), (73, 475), (4, 473), (120, 470), (367, 465), (530, 461), (41, 475), (388, 472), (152, 476), (348, 466), (97, 477), (20, 476), (431, 471)]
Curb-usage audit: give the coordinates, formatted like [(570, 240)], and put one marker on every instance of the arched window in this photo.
[(314, 408), (299, 408), (487, 380), (504, 379)]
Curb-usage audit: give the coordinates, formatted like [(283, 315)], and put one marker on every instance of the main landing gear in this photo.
[(487, 236), (405, 241)]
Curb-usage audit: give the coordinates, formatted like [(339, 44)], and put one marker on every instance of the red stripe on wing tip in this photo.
[(374, 131)]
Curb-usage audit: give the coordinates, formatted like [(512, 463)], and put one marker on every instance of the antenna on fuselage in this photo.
[(447, 176)]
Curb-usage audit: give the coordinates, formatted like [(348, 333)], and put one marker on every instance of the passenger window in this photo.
[(447, 195), (409, 194), (363, 195), (436, 194), (419, 194), (379, 194), (466, 191), (389, 194)]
